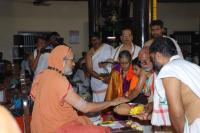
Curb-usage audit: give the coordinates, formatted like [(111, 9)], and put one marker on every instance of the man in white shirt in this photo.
[(127, 38), (40, 43), (177, 89), (52, 42)]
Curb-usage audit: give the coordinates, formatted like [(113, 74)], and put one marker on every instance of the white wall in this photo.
[(21, 15), (180, 16)]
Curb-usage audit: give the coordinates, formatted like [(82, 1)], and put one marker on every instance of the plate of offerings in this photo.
[(129, 109)]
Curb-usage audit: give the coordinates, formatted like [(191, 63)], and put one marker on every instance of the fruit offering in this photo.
[(134, 125)]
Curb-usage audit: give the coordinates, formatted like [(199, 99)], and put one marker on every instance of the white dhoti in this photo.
[(98, 86), (99, 90), (99, 96), (193, 128)]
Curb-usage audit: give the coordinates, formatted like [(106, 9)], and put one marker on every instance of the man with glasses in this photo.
[(127, 38), (56, 103)]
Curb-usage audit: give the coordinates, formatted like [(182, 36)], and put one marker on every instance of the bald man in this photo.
[(146, 72), (143, 93)]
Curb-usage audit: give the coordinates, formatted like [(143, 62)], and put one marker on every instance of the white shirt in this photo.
[(134, 50), (25, 66), (42, 63)]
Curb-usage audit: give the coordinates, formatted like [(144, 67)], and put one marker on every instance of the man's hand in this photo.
[(105, 63), (119, 100), (143, 116), (146, 114), (102, 65), (126, 94), (106, 79), (39, 48), (149, 108)]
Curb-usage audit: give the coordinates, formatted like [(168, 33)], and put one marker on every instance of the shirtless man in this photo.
[(177, 88)]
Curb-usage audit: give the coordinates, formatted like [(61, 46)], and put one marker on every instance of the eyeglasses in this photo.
[(66, 58)]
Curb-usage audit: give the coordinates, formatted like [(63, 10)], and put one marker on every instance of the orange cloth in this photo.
[(48, 90), (133, 84), (20, 122), (76, 127), (116, 83)]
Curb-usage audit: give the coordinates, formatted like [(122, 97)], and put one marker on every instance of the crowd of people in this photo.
[(155, 75)]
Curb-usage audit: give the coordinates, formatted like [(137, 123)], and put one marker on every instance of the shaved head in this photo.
[(144, 52), (144, 58)]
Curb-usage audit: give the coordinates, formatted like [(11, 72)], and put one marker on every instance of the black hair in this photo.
[(39, 37), (157, 23), (84, 53), (127, 28), (126, 54), (96, 34), (1, 55), (136, 61), (52, 35), (164, 46), (165, 31)]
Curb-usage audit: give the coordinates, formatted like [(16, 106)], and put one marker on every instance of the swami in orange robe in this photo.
[(51, 114)]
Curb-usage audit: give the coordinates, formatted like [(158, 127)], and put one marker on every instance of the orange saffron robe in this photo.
[(51, 113)]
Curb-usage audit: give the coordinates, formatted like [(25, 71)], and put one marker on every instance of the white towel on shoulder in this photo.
[(186, 72)]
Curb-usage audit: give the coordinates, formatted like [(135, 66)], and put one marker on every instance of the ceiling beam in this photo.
[(179, 1)]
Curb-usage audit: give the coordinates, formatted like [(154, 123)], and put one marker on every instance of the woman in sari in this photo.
[(123, 78)]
